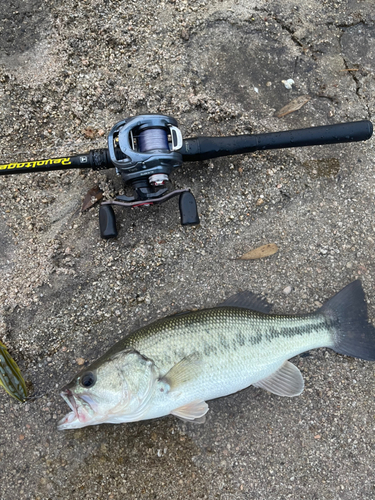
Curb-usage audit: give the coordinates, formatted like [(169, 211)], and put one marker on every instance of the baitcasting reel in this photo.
[(145, 149)]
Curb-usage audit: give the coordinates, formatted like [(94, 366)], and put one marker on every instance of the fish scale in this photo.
[(176, 364), (224, 331), (237, 347)]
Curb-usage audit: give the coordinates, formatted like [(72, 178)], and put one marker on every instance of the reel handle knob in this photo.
[(107, 222), (188, 209)]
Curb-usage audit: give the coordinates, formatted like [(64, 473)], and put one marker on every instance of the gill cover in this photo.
[(112, 390), (139, 374)]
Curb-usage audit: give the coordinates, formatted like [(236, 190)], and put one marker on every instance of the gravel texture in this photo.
[(68, 72)]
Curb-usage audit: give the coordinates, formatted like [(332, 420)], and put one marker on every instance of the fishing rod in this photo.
[(145, 149)]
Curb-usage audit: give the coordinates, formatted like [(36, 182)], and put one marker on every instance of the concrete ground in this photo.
[(69, 70)]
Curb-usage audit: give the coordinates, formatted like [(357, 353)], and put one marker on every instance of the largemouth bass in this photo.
[(176, 364)]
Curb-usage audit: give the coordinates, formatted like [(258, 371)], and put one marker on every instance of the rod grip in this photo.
[(204, 148)]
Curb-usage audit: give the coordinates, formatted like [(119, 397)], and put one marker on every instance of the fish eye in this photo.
[(88, 379)]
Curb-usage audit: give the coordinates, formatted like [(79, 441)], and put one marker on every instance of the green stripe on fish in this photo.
[(176, 364)]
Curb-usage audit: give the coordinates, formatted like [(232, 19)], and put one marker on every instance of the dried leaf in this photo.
[(294, 105), (94, 194), (90, 132), (260, 252)]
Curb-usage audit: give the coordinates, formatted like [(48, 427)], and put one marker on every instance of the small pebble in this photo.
[(288, 83)]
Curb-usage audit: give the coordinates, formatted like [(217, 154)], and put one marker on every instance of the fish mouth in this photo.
[(83, 408)]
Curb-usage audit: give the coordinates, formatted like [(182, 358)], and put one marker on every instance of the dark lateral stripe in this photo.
[(292, 331), (242, 338)]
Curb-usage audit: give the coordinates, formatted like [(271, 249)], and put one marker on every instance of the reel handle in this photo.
[(107, 222), (205, 148), (188, 209)]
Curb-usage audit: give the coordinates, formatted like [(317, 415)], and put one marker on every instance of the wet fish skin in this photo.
[(10, 376), (174, 365)]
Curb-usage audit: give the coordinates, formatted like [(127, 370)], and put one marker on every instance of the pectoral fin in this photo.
[(183, 371), (286, 381), (192, 412)]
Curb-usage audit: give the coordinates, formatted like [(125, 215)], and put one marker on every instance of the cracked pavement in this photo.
[(68, 72)]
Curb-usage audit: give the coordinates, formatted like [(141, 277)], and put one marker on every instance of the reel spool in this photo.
[(145, 145)]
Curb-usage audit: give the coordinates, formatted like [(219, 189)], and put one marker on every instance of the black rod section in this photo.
[(205, 148), (97, 159)]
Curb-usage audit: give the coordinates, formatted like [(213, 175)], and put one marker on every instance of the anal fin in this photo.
[(286, 381)]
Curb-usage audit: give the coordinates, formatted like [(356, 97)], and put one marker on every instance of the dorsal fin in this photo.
[(180, 313), (248, 300)]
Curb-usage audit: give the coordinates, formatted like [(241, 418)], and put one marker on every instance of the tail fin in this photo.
[(354, 335)]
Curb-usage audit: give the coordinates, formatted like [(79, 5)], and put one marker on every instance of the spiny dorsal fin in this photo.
[(180, 313), (248, 300), (286, 381), (192, 412), (183, 371)]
